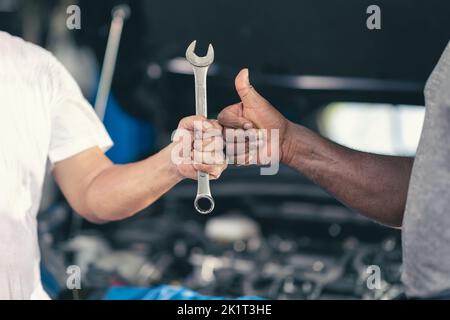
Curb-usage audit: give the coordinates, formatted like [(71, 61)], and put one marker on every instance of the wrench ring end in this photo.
[(199, 208)]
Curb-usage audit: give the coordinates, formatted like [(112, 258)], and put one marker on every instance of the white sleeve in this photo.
[(74, 125)]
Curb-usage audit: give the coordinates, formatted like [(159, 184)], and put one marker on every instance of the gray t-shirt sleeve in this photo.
[(426, 223)]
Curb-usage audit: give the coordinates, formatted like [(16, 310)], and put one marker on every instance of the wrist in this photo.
[(287, 143), (171, 167), (294, 143)]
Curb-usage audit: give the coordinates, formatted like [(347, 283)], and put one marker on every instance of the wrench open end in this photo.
[(199, 61), (204, 204)]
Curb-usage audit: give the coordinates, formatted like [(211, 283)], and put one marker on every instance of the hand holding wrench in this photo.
[(204, 203)]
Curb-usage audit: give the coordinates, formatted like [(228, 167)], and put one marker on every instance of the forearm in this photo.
[(373, 185), (120, 191)]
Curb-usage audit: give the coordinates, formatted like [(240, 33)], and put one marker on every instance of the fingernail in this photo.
[(248, 125), (248, 77)]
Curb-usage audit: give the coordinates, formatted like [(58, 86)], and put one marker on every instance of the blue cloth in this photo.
[(132, 137), (162, 292), (49, 283)]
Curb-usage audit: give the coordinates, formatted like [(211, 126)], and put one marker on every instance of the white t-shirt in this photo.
[(43, 116)]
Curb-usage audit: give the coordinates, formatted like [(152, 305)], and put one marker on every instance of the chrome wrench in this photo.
[(204, 203)]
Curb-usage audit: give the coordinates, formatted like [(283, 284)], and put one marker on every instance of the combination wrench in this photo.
[(204, 203)]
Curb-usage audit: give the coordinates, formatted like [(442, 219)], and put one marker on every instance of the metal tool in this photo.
[(119, 14), (204, 203)]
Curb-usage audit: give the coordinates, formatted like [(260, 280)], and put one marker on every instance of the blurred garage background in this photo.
[(276, 236)]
